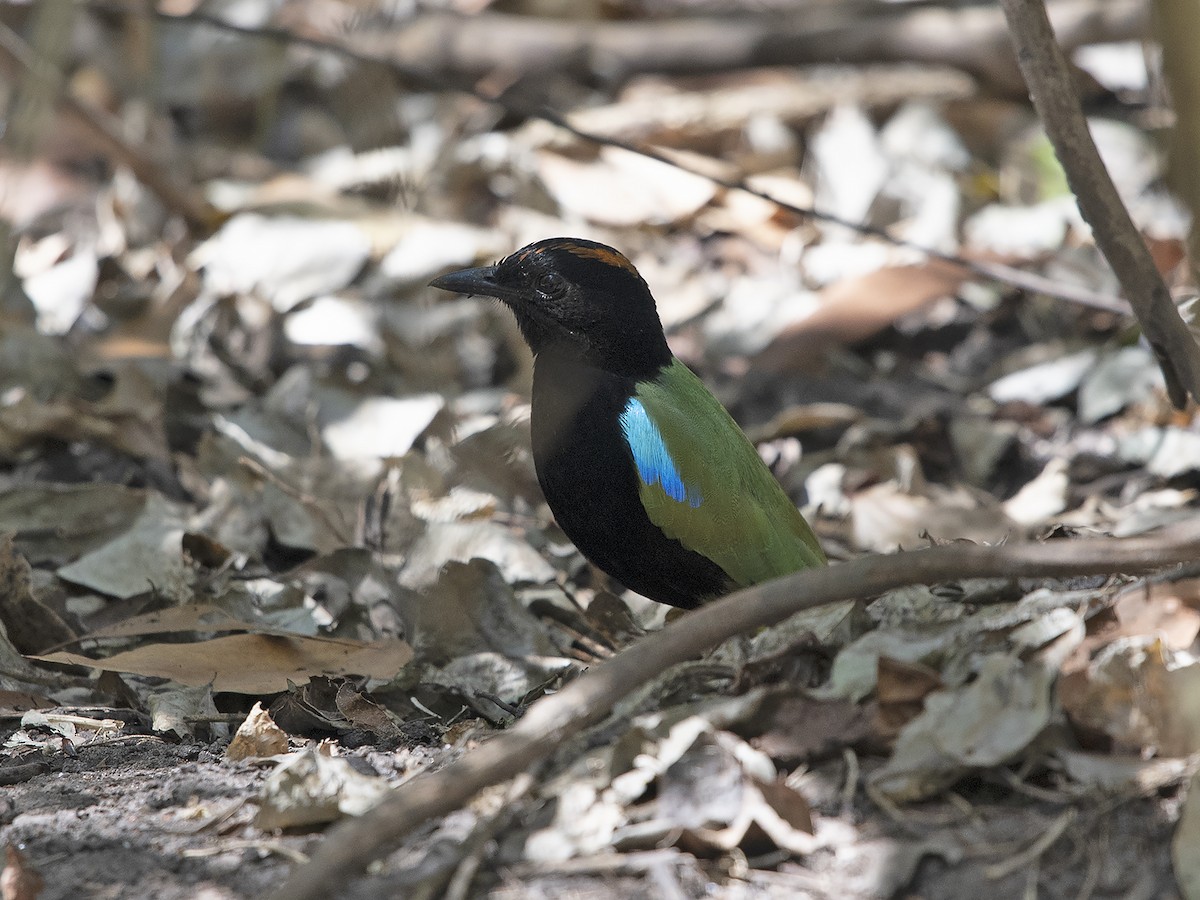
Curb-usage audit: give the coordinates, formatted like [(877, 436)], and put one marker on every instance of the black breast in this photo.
[(587, 473)]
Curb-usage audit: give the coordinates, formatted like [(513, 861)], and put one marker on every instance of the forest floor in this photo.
[(257, 478)]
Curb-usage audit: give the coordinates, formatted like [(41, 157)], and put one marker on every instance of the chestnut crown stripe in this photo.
[(606, 255)]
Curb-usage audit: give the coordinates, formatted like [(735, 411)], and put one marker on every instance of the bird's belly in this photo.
[(592, 489)]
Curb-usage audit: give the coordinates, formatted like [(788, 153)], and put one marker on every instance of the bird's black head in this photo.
[(577, 298)]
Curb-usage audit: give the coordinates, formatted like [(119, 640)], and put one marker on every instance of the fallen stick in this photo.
[(551, 721), (971, 37)]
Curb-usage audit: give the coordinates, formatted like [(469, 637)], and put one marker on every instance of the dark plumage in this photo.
[(643, 469)]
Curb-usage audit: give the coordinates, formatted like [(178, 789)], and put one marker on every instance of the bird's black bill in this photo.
[(480, 281)]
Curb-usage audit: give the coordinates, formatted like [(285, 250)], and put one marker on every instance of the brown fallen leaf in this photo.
[(856, 308), (30, 624), (791, 727), (363, 712), (256, 737), (14, 704), (901, 688), (309, 708), (251, 663), (805, 417), (129, 418), (19, 880), (188, 617), (1167, 253), (1169, 610), (1138, 695)]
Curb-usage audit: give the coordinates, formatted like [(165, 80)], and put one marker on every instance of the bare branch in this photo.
[(1053, 92)]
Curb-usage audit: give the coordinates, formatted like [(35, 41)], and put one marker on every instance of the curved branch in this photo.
[(551, 721), (1052, 90)]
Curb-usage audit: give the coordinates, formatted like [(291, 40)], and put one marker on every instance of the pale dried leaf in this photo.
[(1119, 775), (176, 710), (1044, 382), (622, 188), (446, 542), (149, 556), (62, 292), (988, 722), (311, 788), (282, 258), (1042, 498), (1131, 375), (257, 736), (1187, 839), (355, 427)]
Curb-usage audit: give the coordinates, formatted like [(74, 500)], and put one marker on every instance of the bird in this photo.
[(642, 467)]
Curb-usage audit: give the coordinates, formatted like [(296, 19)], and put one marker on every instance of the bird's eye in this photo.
[(550, 283)]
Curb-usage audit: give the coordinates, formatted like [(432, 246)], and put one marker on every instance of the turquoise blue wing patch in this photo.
[(650, 454)]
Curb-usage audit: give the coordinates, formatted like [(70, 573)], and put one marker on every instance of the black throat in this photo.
[(587, 472)]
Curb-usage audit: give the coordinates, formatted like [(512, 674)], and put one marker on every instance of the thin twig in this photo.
[(1052, 90), (551, 721), (459, 885), (53, 680), (605, 863), (994, 271), (340, 531), (850, 786), (1091, 877), (1030, 855)]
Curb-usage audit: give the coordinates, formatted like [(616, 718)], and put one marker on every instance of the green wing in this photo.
[(743, 521)]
